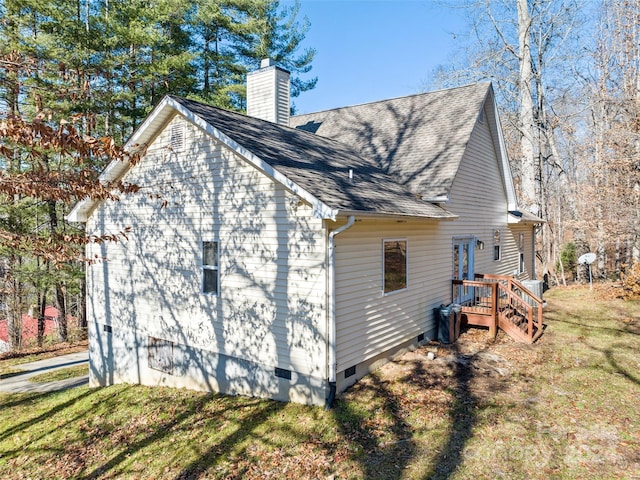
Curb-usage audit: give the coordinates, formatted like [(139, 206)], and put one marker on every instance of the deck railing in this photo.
[(500, 301)]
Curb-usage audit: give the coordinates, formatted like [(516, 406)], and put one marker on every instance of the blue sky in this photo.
[(372, 50)]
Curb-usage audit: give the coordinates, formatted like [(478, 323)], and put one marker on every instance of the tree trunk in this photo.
[(62, 312), (82, 321), (42, 305), (527, 119)]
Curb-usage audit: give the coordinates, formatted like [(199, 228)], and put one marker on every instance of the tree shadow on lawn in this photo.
[(463, 419), (261, 411), (389, 458), (261, 414), (612, 354), (379, 458), (630, 329), (33, 398)]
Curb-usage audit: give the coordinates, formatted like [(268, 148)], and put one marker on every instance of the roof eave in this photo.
[(512, 201), (517, 216), (117, 168), (396, 216), (147, 130)]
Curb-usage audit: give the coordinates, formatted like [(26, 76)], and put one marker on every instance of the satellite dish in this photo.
[(587, 258)]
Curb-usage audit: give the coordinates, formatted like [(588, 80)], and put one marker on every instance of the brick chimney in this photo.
[(268, 93)]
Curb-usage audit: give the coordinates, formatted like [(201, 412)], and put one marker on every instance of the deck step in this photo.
[(508, 307)]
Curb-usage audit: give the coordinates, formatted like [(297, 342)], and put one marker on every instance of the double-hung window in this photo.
[(210, 268)]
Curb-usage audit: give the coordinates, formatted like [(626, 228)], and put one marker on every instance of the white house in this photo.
[(286, 256)]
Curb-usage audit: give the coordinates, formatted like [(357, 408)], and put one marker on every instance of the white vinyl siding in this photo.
[(270, 308), (370, 323), (478, 197), (268, 95)]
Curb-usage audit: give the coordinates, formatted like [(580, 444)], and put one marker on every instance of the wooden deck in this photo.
[(500, 301)]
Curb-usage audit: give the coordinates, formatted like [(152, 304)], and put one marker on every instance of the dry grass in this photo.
[(566, 407)]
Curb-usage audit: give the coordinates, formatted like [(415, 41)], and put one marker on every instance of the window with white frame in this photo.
[(496, 245), (210, 268), (394, 265)]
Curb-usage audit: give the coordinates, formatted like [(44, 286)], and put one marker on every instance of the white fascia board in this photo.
[(512, 202), (116, 168), (440, 199), (160, 114), (396, 216), (320, 209)]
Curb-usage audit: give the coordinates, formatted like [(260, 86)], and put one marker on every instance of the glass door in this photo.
[(463, 266)]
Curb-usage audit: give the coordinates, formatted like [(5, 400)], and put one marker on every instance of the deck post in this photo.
[(493, 328)]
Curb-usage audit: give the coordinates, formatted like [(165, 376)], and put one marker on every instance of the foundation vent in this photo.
[(282, 373)]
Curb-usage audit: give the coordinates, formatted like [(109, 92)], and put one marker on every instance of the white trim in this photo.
[(406, 265), (401, 216), (320, 210), (512, 202), (161, 114)]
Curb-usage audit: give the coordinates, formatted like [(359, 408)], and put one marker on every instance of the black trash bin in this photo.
[(445, 324)]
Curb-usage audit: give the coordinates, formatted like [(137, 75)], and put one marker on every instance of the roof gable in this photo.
[(333, 172), (327, 174), (419, 139)]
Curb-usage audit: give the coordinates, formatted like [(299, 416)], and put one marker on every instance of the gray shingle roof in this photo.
[(319, 165), (418, 139)]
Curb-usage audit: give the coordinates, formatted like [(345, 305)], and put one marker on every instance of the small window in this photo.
[(210, 268), (395, 265), (521, 256), (496, 245), (176, 137)]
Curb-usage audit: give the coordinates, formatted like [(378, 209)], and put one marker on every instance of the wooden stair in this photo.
[(500, 301)]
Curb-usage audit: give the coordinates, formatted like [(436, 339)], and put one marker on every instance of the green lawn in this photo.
[(566, 407), (61, 374)]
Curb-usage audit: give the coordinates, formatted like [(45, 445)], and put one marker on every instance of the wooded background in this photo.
[(568, 82), (77, 77)]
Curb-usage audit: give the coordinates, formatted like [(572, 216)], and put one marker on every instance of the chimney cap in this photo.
[(267, 62)]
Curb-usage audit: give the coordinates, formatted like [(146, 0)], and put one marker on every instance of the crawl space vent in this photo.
[(349, 372), (160, 354), (282, 373)]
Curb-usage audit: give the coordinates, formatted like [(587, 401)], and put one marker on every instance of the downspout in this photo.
[(331, 319)]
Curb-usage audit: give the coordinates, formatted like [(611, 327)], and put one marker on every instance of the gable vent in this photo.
[(176, 137)]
